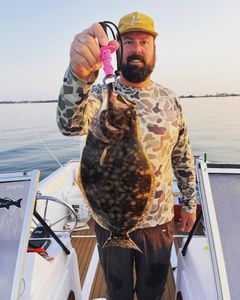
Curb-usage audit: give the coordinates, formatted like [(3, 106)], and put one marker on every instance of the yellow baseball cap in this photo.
[(137, 21)]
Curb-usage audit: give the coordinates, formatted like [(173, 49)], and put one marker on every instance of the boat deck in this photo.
[(84, 246)]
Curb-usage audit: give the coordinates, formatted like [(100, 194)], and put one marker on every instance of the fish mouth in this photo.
[(120, 102), (128, 103)]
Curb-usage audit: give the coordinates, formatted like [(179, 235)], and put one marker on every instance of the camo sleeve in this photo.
[(76, 104), (183, 165)]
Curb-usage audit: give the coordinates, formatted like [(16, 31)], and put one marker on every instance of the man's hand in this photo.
[(187, 221), (85, 53)]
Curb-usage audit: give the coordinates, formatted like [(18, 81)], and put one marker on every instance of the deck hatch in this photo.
[(220, 193), (17, 192)]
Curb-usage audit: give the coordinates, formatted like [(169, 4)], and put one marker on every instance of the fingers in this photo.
[(187, 226), (114, 43), (85, 52), (187, 221), (96, 31), (182, 225)]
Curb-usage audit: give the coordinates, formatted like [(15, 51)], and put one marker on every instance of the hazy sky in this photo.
[(197, 48)]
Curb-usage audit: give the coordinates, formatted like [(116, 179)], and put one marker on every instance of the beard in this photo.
[(137, 74)]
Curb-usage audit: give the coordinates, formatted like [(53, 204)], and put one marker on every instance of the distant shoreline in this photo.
[(212, 96), (26, 101), (54, 101)]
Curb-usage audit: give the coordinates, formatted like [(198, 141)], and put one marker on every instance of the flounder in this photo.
[(116, 176)]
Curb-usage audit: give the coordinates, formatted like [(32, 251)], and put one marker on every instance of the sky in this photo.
[(198, 44)]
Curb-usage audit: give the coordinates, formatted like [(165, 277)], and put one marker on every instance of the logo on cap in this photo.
[(135, 19)]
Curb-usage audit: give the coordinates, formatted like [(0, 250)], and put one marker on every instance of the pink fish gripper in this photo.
[(106, 57)]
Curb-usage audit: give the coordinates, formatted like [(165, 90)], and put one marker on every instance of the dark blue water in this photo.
[(26, 130)]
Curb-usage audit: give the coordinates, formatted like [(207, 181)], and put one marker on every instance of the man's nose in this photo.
[(137, 48)]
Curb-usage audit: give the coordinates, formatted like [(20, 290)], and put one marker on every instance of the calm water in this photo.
[(214, 126)]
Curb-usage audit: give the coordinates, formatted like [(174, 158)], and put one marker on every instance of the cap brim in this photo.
[(153, 33)]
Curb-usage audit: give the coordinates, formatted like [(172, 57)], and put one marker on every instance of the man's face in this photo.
[(138, 56)]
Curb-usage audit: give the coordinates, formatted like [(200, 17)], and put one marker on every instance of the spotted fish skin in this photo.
[(116, 177)]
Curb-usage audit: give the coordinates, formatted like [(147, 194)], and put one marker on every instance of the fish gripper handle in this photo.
[(106, 57)]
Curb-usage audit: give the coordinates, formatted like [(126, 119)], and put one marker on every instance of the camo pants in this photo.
[(151, 266)]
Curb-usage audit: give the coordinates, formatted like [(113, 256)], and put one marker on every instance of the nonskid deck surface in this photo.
[(84, 247)]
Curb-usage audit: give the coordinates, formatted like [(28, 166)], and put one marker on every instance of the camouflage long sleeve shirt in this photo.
[(163, 131)]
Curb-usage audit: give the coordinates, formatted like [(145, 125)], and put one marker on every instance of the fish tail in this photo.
[(122, 242), (18, 202)]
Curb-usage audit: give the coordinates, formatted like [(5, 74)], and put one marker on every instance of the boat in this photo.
[(207, 265), (56, 254)]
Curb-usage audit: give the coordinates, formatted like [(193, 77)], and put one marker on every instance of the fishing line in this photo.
[(47, 148), (33, 131), (53, 155), (81, 210)]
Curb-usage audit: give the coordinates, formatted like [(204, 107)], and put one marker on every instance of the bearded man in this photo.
[(164, 136)]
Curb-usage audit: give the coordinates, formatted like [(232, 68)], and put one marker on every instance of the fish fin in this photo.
[(7, 206), (104, 153), (122, 242), (18, 202)]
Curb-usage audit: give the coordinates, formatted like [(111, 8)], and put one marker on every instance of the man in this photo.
[(165, 138)]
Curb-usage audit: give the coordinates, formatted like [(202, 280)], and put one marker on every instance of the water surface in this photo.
[(27, 130)]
